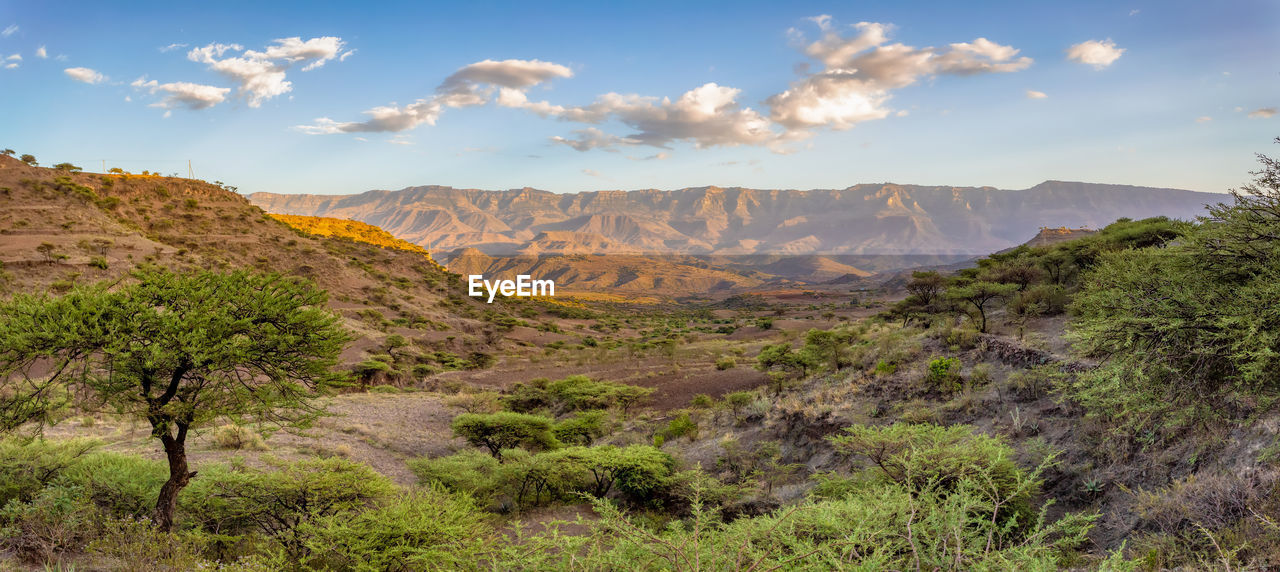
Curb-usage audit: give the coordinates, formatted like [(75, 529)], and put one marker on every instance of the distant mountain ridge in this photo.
[(865, 219)]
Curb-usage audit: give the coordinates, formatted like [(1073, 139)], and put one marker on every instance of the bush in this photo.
[(582, 428), (681, 426), (27, 467), (278, 502), (726, 362), (926, 457), (56, 520), (505, 430), (98, 262), (471, 472), (136, 543), (702, 401), (481, 402), (573, 393), (122, 486), (739, 400), (237, 437), (426, 529), (944, 374)]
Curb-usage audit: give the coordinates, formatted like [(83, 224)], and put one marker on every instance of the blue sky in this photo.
[(603, 95)]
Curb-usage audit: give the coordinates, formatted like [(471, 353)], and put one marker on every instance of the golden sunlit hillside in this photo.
[(354, 230)]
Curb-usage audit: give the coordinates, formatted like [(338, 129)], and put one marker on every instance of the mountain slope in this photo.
[(59, 228), (882, 219)]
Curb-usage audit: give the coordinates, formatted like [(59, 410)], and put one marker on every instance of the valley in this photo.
[(761, 384)]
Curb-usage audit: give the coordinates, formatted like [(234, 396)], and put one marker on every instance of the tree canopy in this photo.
[(178, 350)]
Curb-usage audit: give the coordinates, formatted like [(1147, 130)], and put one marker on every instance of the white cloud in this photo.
[(172, 47), (859, 73), (517, 74), (42, 53), (1033, 94), (861, 70), (1098, 54), (85, 75), (706, 116), (592, 138), (469, 86), (261, 75), (11, 66), (1204, 119), (594, 173), (345, 55), (1263, 113), (183, 94), (1134, 12), (9, 31), (14, 58)]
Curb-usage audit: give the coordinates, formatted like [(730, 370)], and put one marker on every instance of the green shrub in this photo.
[(702, 401), (573, 393), (276, 503), (57, 519), (681, 426), (581, 429), (27, 467), (426, 529), (739, 400), (98, 262), (122, 486), (884, 368), (944, 374), (136, 543), (926, 457), (505, 430), (726, 362), (471, 472)]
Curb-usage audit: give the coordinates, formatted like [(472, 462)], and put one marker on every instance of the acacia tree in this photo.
[(980, 295), (179, 350), (926, 286)]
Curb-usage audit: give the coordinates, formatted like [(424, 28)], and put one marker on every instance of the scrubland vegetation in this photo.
[(1106, 402)]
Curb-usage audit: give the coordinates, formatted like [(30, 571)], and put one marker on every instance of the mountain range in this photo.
[(865, 219)]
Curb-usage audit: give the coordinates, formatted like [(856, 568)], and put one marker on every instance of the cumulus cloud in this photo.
[(1098, 54), (85, 75), (861, 70), (42, 53), (14, 58), (261, 75), (1033, 94), (9, 31), (1262, 113), (857, 75), (183, 94), (706, 116), (470, 85)]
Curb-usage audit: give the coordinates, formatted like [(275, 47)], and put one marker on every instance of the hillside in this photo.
[(868, 219), (350, 229), (61, 228)]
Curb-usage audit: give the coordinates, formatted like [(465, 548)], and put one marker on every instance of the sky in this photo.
[(303, 97)]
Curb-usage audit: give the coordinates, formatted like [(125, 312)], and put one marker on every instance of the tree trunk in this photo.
[(175, 448)]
